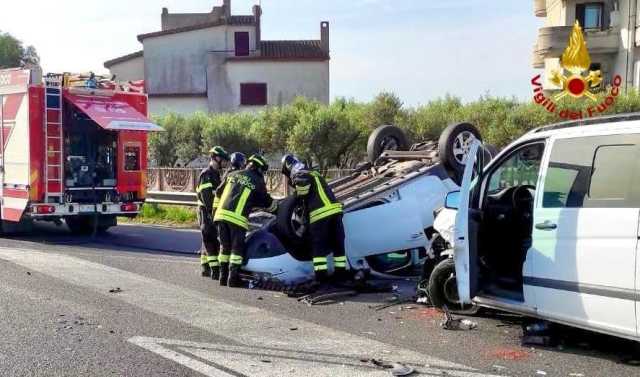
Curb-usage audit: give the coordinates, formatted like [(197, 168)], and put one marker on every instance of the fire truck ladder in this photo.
[(53, 172)]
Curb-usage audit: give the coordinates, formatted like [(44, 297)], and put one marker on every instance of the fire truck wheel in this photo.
[(84, 224), (454, 144), (385, 138)]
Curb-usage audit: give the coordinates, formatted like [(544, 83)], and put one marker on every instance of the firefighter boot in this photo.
[(234, 277), (206, 270), (224, 274), (215, 273)]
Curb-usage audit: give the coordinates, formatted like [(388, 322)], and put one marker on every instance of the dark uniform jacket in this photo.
[(205, 191), (318, 197), (239, 194)]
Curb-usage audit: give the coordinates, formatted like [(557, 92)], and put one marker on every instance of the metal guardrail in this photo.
[(176, 186), (174, 198)]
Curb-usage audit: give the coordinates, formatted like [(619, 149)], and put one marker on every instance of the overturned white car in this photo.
[(389, 208)]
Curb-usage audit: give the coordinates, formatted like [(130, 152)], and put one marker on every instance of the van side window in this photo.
[(595, 172)]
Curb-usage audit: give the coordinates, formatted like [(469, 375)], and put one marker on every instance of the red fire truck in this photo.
[(71, 151)]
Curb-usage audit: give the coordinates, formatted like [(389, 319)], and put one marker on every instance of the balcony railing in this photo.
[(553, 40)]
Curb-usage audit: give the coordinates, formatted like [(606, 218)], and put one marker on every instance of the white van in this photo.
[(550, 227)]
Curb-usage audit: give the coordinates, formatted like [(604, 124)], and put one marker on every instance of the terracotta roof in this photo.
[(124, 58), (233, 20), (288, 50)]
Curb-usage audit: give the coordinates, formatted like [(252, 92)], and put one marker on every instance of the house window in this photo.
[(253, 94), (590, 15), (242, 43)]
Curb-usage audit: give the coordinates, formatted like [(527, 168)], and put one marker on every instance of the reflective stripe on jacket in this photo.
[(240, 193), (208, 181), (320, 200)]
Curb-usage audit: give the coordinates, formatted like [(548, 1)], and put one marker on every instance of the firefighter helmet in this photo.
[(288, 162), (219, 152), (259, 163), (238, 161)]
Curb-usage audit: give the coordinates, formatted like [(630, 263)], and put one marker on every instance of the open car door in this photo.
[(465, 232)]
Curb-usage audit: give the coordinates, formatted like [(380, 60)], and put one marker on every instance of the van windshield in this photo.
[(519, 169)]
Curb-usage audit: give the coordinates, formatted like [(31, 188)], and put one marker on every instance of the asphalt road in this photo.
[(161, 318)]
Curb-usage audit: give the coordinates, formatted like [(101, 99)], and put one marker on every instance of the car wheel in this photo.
[(386, 138), (291, 221), (454, 146), (490, 152), (443, 289)]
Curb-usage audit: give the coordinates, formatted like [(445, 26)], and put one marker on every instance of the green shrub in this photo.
[(335, 135)]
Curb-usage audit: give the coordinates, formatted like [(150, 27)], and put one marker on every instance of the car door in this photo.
[(465, 247), (585, 233)]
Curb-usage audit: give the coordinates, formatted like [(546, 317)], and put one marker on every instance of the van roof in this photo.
[(586, 122)]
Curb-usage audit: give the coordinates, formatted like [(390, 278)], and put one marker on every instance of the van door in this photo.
[(586, 233), (464, 246)]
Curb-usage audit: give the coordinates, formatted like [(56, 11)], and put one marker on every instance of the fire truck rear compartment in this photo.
[(90, 155)]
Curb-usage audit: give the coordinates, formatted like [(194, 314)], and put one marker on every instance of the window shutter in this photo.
[(242, 43), (580, 14), (253, 94)]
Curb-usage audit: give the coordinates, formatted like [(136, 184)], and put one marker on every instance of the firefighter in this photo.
[(325, 218), (238, 161), (240, 193), (208, 181)]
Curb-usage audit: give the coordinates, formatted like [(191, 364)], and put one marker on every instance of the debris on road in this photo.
[(396, 369), (538, 334), (451, 323), (28, 273), (293, 328), (115, 290), (541, 373), (320, 298)]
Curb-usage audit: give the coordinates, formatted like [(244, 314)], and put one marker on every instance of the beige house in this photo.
[(610, 29), (218, 62)]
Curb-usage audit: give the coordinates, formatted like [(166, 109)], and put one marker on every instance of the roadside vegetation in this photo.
[(335, 135), (159, 214)]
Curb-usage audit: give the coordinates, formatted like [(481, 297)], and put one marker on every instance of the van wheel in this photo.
[(443, 289), (386, 138), (454, 145)]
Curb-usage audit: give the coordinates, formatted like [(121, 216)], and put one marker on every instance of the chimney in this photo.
[(164, 19), (226, 4), (257, 13), (324, 36)]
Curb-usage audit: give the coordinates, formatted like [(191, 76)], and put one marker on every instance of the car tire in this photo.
[(452, 145), (490, 152), (442, 289), (386, 137), (291, 229)]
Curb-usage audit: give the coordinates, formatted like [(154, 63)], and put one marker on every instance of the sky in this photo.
[(419, 49)]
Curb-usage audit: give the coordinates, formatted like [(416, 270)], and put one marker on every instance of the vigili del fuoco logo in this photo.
[(576, 80)]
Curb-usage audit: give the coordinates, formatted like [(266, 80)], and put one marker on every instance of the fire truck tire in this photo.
[(384, 138), (84, 224), (453, 144)]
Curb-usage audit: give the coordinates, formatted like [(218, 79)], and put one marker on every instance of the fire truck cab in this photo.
[(73, 148)]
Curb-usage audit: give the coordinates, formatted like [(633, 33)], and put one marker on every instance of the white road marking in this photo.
[(247, 326), (267, 362)]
